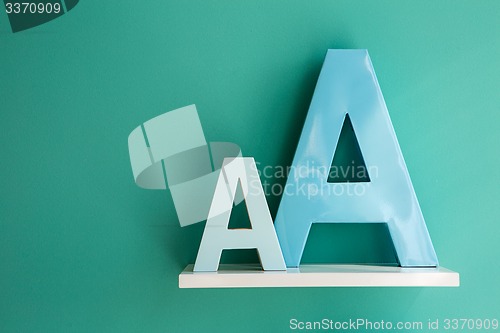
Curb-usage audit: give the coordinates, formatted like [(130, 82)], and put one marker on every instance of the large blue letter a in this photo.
[(348, 96)]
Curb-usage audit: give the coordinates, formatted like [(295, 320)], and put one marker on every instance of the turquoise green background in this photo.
[(83, 249)]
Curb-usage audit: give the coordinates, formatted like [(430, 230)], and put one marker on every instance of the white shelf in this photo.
[(250, 276)]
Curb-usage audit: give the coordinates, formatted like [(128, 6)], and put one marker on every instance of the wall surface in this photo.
[(83, 249)]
